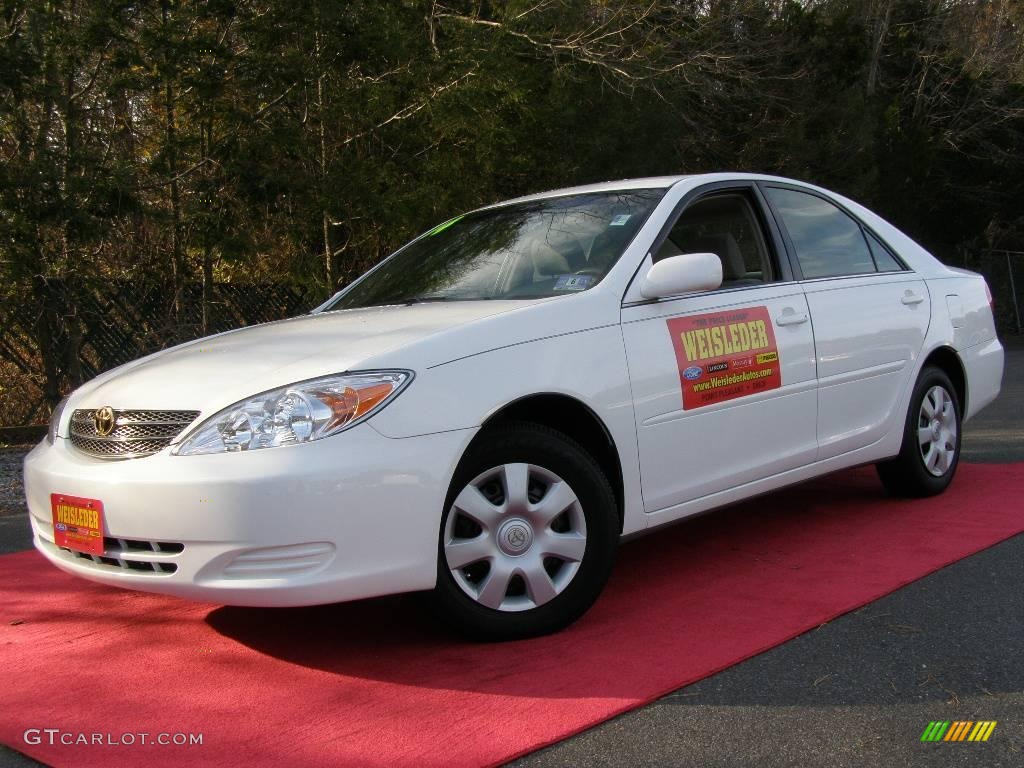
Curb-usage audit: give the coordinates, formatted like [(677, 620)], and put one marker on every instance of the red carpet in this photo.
[(378, 684)]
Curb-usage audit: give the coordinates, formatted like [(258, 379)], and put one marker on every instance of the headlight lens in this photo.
[(298, 413), (51, 432)]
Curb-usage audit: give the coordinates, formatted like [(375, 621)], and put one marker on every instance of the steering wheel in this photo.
[(591, 271)]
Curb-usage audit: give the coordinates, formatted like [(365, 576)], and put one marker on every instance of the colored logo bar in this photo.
[(958, 730)]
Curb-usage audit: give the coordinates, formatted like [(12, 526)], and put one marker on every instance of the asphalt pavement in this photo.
[(859, 690), (856, 691)]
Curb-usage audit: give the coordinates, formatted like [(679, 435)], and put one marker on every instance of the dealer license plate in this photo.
[(77, 523)]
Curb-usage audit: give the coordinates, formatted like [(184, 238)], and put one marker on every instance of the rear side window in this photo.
[(828, 242), (884, 260)]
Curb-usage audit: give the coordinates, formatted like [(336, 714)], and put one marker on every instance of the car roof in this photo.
[(649, 182)]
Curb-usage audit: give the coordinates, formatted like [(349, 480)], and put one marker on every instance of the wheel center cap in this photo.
[(515, 536), (936, 429)]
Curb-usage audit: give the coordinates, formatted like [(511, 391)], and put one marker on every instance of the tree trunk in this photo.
[(207, 287), (171, 140), (207, 247), (73, 349), (881, 29), (45, 331), (67, 310), (325, 217)]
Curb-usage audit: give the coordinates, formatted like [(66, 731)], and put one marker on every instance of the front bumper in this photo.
[(351, 516)]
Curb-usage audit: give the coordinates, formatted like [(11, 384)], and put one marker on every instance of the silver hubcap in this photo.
[(515, 537), (936, 431)]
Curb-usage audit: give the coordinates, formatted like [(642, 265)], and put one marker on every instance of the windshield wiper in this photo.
[(422, 300), (429, 299)]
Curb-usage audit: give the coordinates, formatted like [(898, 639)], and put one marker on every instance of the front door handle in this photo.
[(910, 298), (789, 317)]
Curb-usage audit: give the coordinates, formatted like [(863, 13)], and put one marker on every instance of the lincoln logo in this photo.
[(103, 419)]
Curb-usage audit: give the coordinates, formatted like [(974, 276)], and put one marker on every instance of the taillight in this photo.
[(991, 301)]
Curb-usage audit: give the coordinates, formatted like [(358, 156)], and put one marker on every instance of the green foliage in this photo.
[(301, 141)]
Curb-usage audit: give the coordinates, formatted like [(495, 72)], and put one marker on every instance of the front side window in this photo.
[(549, 247), (725, 225), (828, 242)]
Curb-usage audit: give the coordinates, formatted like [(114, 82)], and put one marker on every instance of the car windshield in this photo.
[(536, 249)]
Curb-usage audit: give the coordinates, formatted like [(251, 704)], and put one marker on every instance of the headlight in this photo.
[(298, 413), (51, 432)]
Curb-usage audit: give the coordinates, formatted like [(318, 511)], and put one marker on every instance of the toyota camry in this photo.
[(489, 411)]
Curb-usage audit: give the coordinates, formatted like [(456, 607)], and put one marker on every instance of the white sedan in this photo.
[(489, 411)]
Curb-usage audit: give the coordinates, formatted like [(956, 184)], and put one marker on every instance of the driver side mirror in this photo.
[(685, 273)]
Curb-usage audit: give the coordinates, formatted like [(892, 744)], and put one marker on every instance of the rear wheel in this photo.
[(528, 536), (931, 440)]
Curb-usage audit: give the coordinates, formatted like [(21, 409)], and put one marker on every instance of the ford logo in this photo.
[(693, 372)]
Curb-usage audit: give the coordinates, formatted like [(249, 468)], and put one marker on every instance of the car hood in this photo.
[(211, 373)]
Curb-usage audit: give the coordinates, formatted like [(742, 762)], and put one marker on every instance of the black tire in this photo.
[(540, 446), (907, 474)]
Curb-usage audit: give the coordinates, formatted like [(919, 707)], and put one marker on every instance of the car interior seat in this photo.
[(725, 247), (606, 248)]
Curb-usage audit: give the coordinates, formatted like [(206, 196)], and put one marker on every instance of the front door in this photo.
[(723, 382)]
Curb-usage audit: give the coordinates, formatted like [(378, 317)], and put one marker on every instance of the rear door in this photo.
[(870, 316), (723, 382)]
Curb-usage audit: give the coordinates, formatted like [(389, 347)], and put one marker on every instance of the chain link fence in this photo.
[(77, 332), (45, 349), (1007, 294), (1004, 273)]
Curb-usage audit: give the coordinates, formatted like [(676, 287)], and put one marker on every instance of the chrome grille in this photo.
[(129, 430), (135, 433)]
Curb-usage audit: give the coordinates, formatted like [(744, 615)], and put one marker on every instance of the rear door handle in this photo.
[(789, 317), (910, 298)]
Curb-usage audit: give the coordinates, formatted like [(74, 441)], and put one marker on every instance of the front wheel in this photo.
[(931, 440), (528, 535)]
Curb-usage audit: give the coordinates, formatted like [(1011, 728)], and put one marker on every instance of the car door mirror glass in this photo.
[(685, 273)]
